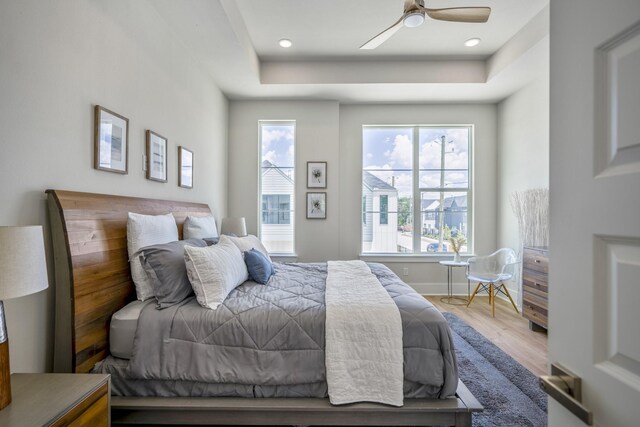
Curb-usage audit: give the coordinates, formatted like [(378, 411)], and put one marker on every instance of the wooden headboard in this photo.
[(93, 280)]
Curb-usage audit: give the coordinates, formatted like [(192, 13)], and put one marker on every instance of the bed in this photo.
[(93, 282)]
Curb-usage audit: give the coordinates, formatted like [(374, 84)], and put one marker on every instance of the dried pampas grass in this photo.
[(531, 208)]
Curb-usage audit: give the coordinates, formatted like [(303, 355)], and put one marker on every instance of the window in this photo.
[(415, 187), (277, 184), (276, 209), (364, 210), (384, 209)]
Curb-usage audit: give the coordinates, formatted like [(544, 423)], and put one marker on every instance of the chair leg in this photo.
[(473, 294), (493, 300), (506, 290)]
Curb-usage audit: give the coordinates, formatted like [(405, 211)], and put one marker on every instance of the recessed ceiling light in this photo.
[(472, 42), (285, 43)]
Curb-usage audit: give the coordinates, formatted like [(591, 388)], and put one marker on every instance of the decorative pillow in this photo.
[(167, 272), (146, 230), (215, 271), (199, 227), (211, 240), (249, 242), (259, 267)]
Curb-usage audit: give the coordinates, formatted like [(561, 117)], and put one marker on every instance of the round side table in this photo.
[(450, 299)]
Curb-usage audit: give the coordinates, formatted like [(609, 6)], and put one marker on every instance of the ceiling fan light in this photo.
[(285, 43), (472, 42), (414, 19)]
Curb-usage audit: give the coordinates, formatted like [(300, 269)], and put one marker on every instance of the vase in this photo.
[(456, 257)]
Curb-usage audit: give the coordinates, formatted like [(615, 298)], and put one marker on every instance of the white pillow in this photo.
[(199, 227), (215, 271), (249, 242), (145, 230)]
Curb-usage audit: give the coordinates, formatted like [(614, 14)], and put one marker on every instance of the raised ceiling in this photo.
[(337, 28), (236, 41)]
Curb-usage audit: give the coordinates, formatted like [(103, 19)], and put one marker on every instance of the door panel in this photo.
[(594, 261)]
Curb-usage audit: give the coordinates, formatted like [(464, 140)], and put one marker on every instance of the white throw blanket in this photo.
[(363, 349)]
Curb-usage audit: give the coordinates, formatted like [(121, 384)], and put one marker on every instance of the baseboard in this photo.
[(440, 288)]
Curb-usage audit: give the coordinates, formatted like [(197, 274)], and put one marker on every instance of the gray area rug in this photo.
[(508, 391)]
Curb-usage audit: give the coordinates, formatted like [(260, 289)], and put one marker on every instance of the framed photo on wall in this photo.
[(316, 205), (185, 167), (316, 174), (156, 157), (110, 141)]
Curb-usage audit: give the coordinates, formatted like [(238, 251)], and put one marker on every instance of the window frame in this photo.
[(416, 193), (293, 219)]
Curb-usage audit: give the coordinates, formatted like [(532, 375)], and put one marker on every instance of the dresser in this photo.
[(58, 400), (535, 286)]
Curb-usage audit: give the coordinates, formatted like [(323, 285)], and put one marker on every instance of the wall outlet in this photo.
[(405, 271)]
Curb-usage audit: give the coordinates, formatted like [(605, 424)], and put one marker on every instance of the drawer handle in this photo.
[(537, 261), (537, 284)]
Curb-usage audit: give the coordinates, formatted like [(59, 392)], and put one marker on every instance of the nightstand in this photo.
[(58, 400)]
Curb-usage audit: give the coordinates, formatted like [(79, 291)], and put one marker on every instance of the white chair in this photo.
[(491, 272)]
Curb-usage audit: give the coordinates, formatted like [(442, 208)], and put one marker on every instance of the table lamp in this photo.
[(235, 226), (23, 271)]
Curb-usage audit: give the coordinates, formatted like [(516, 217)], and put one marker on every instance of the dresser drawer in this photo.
[(535, 284), (535, 260), (529, 297), (534, 313)]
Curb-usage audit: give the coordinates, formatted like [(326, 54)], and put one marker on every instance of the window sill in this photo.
[(407, 258), (282, 257)]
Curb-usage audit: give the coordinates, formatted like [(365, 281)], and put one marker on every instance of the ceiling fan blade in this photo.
[(383, 36), (460, 14)]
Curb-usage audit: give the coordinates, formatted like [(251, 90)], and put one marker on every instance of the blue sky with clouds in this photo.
[(278, 145), (388, 154)]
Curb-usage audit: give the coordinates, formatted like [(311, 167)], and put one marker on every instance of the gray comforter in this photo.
[(273, 335)]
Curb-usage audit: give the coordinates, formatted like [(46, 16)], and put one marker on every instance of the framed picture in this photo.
[(316, 205), (110, 141), (316, 174), (185, 167), (156, 157)]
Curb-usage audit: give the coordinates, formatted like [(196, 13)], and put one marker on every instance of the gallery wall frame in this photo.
[(316, 174), (156, 151), (185, 167), (110, 141), (317, 205)]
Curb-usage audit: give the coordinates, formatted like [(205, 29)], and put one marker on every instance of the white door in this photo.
[(594, 272)]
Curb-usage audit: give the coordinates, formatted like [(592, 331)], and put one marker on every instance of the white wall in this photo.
[(59, 58), (523, 153), (317, 139), (427, 277)]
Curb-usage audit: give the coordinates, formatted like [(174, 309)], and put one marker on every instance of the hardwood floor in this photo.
[(508, 330)]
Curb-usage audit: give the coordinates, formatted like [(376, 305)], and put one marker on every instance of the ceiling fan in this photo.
[(413, 16)]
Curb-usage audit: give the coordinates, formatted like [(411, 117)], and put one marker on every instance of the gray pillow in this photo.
[(199, 227), (166, 270)]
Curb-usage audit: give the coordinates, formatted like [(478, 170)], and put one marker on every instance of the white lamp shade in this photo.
[(235, 226), (23, 266)]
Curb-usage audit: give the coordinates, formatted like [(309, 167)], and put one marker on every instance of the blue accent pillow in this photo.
[(259, 267)]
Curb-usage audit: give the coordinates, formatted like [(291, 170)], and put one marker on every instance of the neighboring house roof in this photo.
[(272, 167), (456, 201), (372, 182)]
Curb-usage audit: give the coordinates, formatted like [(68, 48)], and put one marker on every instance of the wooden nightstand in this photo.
[(58, 400)]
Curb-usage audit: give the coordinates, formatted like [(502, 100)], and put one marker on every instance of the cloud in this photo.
[(270, 156), (402, 154), (271, 135)]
